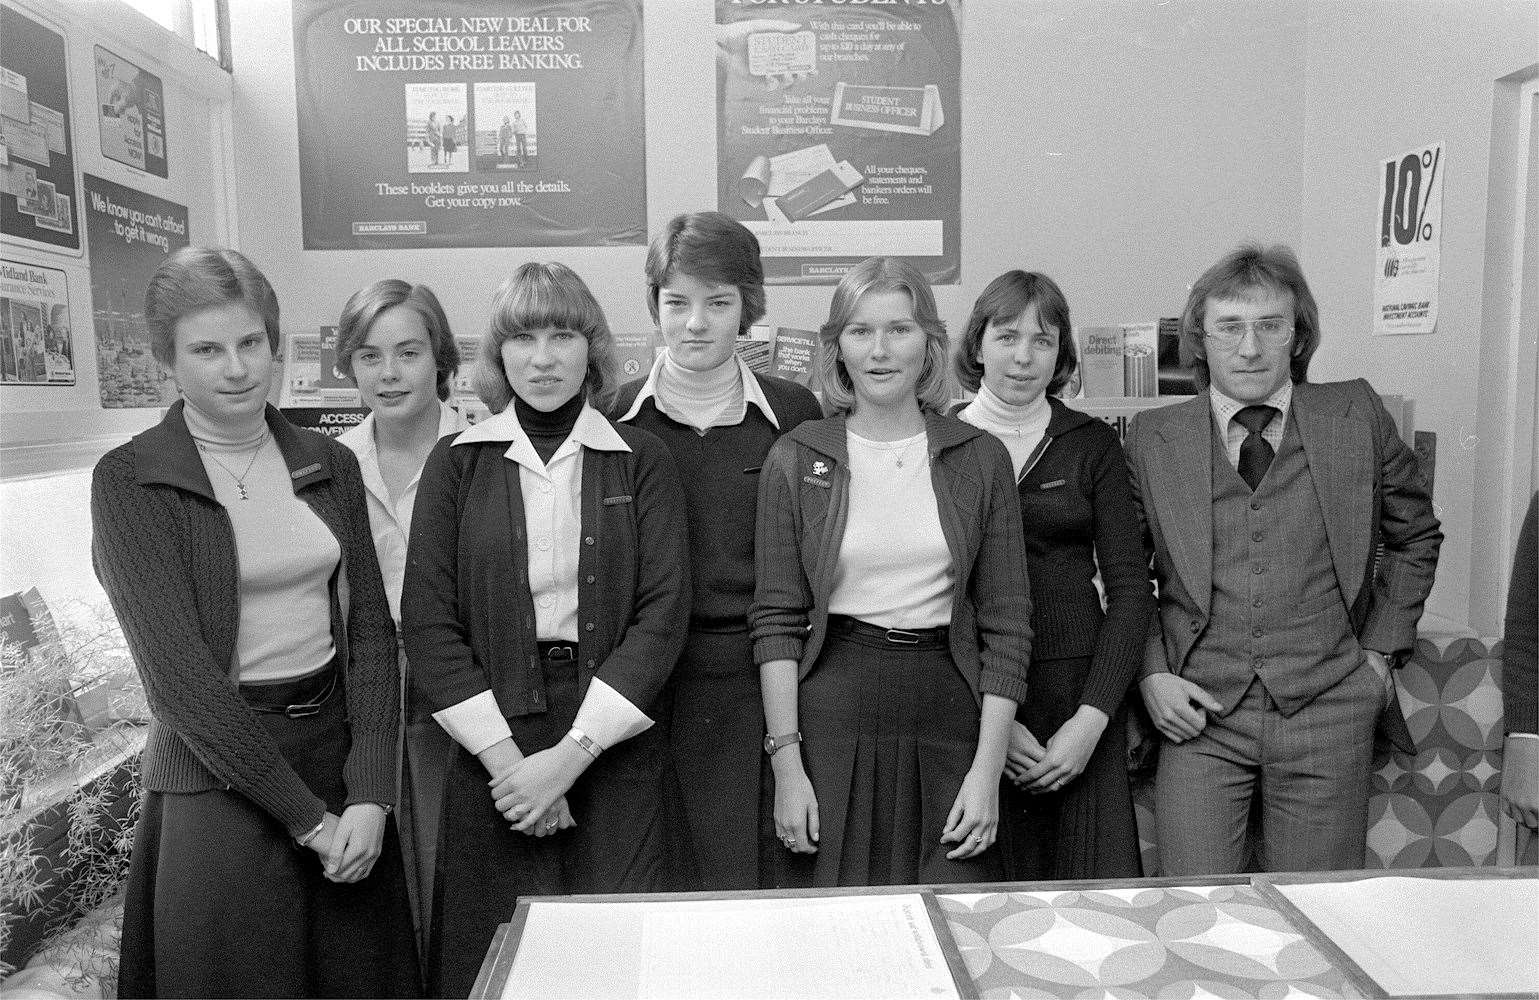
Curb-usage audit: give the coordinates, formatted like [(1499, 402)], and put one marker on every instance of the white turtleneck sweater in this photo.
[(1019, 427), (285, 552), (701, 400)]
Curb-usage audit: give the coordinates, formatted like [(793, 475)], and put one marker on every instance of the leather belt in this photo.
[(895, 636), (298, 710)]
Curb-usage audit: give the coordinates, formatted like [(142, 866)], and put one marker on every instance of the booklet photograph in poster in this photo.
[(522, 121)]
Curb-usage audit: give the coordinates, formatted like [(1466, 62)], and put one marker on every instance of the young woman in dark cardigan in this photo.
[(547, 579), (1067, 797), (236, 552), (890, 612), (705, 287)]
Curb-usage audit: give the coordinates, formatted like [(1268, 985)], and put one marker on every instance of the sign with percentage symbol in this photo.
[(1405, 276)]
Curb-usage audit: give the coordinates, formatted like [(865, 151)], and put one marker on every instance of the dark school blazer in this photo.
[(466, 611)]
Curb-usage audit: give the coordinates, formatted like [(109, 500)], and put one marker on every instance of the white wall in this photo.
[(1384, 78)]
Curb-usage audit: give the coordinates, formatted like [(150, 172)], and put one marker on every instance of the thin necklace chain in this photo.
[(897, 450), (240, 480)]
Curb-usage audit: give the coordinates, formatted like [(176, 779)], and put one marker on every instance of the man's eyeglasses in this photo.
[(1271, 332)]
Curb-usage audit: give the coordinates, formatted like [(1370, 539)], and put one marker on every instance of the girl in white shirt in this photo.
[(393, 341)]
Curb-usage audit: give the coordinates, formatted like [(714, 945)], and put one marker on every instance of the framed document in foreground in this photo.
[(849, 946)]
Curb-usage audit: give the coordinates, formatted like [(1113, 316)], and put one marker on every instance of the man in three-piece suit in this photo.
[(1294, 545)]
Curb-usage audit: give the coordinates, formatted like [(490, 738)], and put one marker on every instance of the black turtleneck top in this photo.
[(548, 429)]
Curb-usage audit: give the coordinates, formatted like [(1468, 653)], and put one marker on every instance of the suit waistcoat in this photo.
[(1276, 610)]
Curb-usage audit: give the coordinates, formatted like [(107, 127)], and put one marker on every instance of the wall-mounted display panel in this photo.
[(470, 124), (130, 233), (36, 346), (38, 206), (839, 134), (130, 113)]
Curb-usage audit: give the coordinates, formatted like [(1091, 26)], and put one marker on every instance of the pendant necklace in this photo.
[(240, 480)]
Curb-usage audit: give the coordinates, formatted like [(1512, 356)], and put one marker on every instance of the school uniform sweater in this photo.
[(720, 471)]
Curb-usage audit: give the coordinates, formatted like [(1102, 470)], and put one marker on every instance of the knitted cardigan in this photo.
[(803, 506), (164, 550), (1079, 515)]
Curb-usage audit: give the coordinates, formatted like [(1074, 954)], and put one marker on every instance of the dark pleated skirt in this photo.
[(715, 778), (889, 733), (222, 903), (1086, 830), (484, 866)]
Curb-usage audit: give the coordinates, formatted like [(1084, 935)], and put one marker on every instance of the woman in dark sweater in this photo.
[(1067, 796), (705, 287), (236, 552), (546, 579)]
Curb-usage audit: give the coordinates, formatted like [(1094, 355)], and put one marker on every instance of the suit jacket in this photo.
[(1520, 640), (1383, 536)]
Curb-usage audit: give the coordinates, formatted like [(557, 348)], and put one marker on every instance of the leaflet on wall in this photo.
[(796, 356), (36, 347), (1405, 277), (475, 123), (840, 134), (130, 233), (310, 374), (131, 112), (38, 206)]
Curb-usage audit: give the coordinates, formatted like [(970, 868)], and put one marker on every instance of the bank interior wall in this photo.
[(1117, 146)]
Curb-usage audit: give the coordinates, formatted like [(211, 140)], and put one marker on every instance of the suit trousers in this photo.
[(1306, 774)]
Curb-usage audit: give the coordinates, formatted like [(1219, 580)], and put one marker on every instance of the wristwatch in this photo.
[(774, 743)]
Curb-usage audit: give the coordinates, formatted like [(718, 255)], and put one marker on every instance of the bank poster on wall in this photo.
[(35, 343), (131, 113), (1409, 256), (37, 165), (839, 133), (129, 233), (476, 123)]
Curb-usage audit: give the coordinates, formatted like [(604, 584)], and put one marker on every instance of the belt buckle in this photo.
[(303, 711), (902, 638), (560, 654)]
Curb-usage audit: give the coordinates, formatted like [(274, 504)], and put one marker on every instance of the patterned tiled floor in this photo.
[(1176, 943)]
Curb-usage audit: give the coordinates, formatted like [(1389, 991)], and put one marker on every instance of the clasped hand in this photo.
[(348, 845), (531, 794), (1036, 768)]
